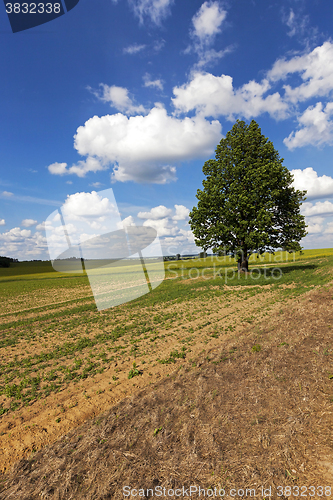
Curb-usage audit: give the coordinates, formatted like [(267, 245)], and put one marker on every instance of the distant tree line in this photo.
[(6, 261)]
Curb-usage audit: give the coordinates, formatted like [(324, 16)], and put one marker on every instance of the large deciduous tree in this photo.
[(247, 203)]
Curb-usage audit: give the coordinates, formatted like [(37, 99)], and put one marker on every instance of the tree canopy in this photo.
[(5, 261), (247, 203)]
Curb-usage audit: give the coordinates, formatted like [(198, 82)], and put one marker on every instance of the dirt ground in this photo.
[(249, 410), (30, 428)]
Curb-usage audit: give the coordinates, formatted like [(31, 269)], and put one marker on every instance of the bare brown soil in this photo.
[(233, 416), (35, 426)]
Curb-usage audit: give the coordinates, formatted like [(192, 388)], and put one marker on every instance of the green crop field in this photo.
[(57, 313)]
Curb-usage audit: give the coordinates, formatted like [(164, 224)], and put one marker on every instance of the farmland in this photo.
[(63, 361)]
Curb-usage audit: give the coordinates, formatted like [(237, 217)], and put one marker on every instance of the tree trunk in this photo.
[(243, 263)]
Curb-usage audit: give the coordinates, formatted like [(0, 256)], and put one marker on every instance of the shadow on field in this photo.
[(287, 269), (255, 412)]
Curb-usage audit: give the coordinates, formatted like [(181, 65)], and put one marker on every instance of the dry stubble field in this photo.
[(231, 384)]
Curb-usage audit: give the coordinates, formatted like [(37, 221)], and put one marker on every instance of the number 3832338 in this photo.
[(33, 8)]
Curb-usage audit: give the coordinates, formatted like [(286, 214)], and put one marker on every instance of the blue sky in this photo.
[(136, 94)]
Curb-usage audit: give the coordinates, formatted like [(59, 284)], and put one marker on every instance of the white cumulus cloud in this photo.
[(215, 96), (118, 98), (156, 213), (207, 24), (2, 222), (164, 227), (316, 127), (174, 239), (41, 226), (88, 205), (319, 208), (316, 186), (83, 216), (207, 21), (314, 226), (148, 82), (16, 235), (329, 228), (58, 168), (28, 222), (127, 222), (315, 69), (81, 168), (143, 147), (22, 244), (181, 212), (90, 164)]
